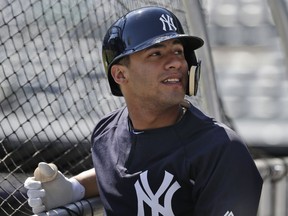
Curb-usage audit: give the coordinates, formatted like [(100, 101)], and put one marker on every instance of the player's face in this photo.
[(158, 74)]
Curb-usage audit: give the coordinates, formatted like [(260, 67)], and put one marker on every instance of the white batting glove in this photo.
[(49, 188)]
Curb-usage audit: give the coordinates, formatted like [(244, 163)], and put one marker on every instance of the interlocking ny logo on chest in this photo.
[(167, 22), (146, 195)]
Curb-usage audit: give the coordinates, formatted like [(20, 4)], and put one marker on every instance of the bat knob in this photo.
[(45, 172)]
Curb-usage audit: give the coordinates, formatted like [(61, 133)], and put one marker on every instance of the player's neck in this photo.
[(143, 119)]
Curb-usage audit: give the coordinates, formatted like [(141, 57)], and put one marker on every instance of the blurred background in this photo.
[(251, 70)]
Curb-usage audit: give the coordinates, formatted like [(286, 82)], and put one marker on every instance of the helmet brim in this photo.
[(189, 42)]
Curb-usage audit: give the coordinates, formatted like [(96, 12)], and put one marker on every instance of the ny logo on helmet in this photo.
[(167, 21)]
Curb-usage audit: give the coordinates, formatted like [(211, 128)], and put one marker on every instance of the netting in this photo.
[(53, 87)]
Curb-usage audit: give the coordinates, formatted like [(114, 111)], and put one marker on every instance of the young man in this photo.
[(158, 155)]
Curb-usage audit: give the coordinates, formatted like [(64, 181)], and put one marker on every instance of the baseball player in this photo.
[(158, 155)]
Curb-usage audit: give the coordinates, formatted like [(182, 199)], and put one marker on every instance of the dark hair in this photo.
[(124, 61)]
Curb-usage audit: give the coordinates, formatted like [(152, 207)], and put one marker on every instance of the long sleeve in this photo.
[(234, 186)]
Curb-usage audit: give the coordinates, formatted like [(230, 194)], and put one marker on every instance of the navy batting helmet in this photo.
[(140, 29)]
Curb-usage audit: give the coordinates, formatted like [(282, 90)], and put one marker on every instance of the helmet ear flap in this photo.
[(194, 76)]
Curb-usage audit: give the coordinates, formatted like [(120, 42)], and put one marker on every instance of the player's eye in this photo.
[(179, 52), (156, 53)]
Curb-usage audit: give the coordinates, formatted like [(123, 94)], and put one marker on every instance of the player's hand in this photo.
[(49, 188)]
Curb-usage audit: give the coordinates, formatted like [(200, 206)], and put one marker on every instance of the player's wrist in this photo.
[(78, 190)]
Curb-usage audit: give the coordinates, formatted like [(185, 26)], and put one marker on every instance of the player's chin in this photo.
[(173, 91), (174, 87), (178, 92), (175, 96)]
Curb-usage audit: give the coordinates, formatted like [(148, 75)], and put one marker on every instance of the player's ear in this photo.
[(118, 73)]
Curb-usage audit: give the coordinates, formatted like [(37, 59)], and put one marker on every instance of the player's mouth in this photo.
[(171, 81)]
